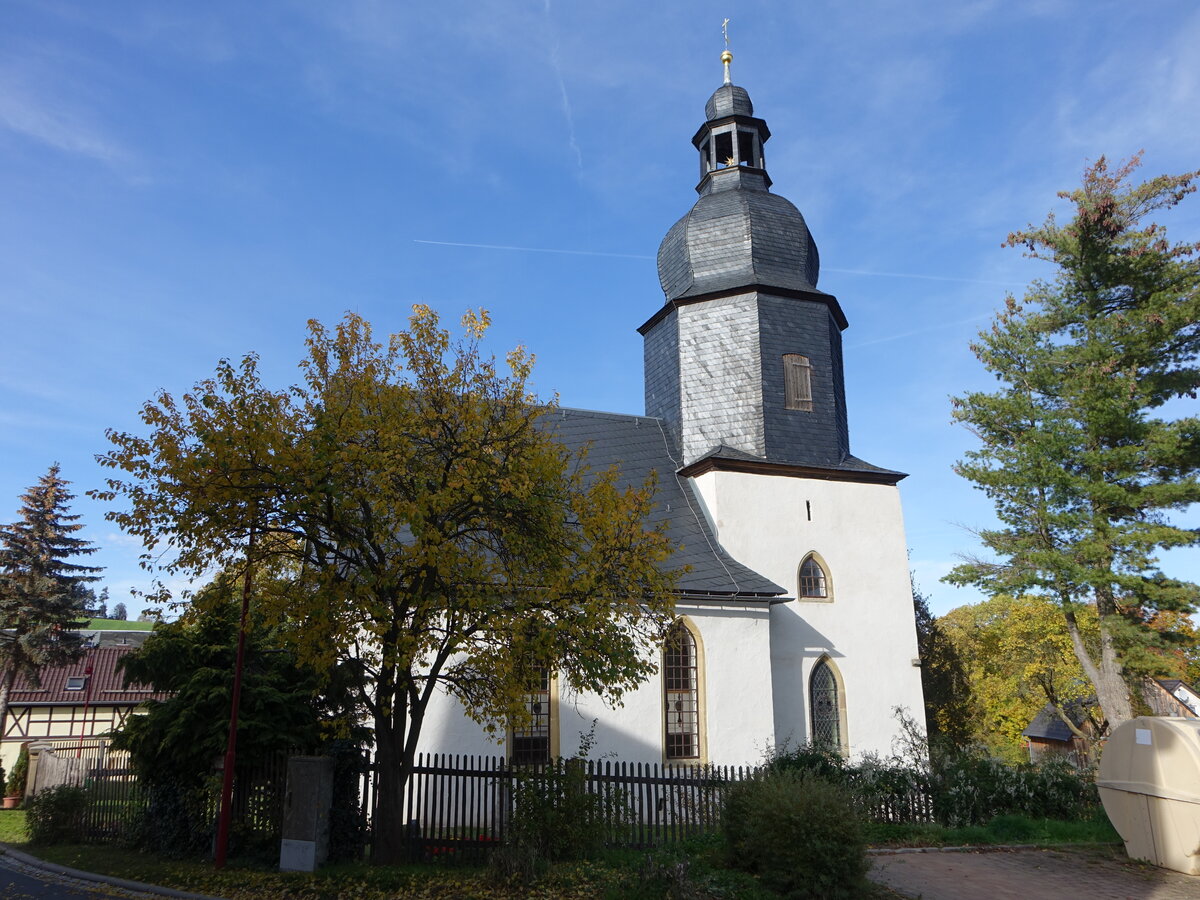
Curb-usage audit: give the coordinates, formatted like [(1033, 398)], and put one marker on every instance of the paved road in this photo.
[(1027, 874), (19, 881)]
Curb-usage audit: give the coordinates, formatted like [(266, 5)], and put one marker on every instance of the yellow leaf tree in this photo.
[(1018, 656), (442, 537)]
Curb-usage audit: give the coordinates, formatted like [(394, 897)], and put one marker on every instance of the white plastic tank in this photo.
[(1149, 784)]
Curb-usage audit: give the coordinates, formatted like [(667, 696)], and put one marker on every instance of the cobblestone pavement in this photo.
[(1027, 874)]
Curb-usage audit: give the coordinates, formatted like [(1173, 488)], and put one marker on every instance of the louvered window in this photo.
[(797, 382), (531, 742), (681, 694), (826, 709), (812, 580)]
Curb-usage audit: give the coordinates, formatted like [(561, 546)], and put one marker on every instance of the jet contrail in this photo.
[(533, 249), (641, 256)]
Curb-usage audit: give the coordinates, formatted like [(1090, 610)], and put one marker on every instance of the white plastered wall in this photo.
[(867, 627), (737, 711)]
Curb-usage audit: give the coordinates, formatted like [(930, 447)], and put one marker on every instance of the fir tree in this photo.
[(1079, 450), (40, 596)]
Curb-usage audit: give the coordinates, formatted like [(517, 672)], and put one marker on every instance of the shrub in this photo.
[(15, 785), (55, 815), (173, 819), (556, 815), (825, 764), (799, 833), (973, 790)]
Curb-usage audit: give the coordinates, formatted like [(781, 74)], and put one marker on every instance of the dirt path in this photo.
[(1028, 874)]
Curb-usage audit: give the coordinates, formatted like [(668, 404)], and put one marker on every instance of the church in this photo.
[(794, 624)]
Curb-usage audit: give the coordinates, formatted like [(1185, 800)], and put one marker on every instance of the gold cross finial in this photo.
[(726, 56)]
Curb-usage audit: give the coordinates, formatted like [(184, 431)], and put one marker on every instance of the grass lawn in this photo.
[(616, 875), (12, 826), (118, 625), (1001, 830)]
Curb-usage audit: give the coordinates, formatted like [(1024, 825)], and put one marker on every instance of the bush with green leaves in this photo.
[(799, 833), (55, 815), (15, 784), (973, 790), (556, 814)]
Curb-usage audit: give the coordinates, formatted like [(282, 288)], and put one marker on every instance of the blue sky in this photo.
[(183, 183)]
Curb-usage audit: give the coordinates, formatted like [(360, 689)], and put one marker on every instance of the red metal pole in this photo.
[(231, 743)]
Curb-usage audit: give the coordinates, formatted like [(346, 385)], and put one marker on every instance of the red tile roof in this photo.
[(107, 685)]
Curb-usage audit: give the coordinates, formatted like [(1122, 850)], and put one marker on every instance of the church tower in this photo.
[(744, 359)]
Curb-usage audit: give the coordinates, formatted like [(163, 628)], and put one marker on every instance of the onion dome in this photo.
[(738, 234)]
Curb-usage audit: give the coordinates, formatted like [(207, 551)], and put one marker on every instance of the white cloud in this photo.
[(55, 124)]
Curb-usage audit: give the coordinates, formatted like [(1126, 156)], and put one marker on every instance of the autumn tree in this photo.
[(41, 582), (944, 683), (1081, 450), (1016, 657), (442, 538)]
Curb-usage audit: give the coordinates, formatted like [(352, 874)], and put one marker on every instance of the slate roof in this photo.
[(728, 100), (736, 237), (851, 465), (107, 684), (1047, 726), (639, 445)]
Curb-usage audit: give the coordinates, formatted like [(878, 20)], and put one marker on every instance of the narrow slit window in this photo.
[(705, 159), (531, 742), (681, 694), (797, 382)]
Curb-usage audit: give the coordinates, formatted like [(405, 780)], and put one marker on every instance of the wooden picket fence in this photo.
[(464, 805), (461, 806)]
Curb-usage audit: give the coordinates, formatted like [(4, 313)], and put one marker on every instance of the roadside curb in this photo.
[(979, 848), (56, 869), (968, 848)]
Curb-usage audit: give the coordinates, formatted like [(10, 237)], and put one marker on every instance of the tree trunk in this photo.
[(1106, 677), (388, 828)]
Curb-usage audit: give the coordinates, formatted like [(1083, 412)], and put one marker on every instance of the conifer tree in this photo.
[(40, 600), (1082, 450)]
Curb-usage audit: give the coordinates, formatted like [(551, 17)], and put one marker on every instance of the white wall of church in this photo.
[(736, 673), (866, 627)]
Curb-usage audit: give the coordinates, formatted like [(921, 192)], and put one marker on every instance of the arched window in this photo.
[(533, 741), (681, 693), (826, 705), (814, 582)]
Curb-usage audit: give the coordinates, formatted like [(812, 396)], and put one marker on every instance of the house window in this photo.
[(814, 584), (531, 742), (825, 701), (681, 694), (797, 382), (76, 683)]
